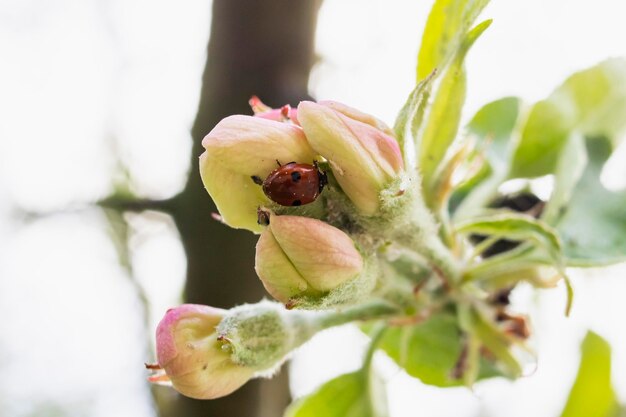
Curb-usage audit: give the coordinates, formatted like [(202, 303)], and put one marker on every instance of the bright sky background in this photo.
[(84, 81)]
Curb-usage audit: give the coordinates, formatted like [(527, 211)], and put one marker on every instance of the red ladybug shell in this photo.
[(294, 184)]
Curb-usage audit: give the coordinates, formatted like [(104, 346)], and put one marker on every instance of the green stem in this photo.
[(421, 233), (430, 246), (446, 233), (377, 334), (483, 246), (372, 310)]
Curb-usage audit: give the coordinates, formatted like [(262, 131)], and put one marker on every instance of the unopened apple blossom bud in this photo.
[(358, 115), (242, 147), (363, 155), (300, 257), (193, 358)]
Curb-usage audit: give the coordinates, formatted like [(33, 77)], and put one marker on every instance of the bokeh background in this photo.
[(104, 223)]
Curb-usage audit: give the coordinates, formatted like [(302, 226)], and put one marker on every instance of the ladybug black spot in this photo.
[(295, 176), (296, 203)]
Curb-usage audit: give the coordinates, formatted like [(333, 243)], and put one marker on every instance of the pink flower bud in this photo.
[(304, 257), (355, 114), (191, 355), (240, 147), (363, 155)]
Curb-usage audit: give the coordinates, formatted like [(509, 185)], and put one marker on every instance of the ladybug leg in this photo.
[(323, 178), (319, 170), (288, 163), (262, 217), (257, 180)]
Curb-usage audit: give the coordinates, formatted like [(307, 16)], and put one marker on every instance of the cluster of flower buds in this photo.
[(359, 150), (304, 179), (344, 235), (358, 223)]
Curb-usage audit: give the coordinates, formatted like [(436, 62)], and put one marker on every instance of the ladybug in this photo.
[(293, 184)]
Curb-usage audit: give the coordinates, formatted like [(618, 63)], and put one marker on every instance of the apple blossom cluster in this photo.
[(407, 232), (345, 236), (314, 256)]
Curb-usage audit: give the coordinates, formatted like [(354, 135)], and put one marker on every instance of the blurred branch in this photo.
[(119, 234), (130, 203), (255, 48)]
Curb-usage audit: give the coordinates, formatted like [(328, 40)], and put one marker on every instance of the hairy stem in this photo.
[(375, 309), (430, 246)]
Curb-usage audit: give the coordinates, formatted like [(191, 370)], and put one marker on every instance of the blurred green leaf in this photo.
[(492, 129), (592, 394), (442, 122), (593, 225), (492, 125), (569, 169), (476, 366), (447, 23), (428, 350), (355, 394), (496, 341), (592, 102)]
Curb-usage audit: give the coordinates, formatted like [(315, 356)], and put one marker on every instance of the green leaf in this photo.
[(510, 264), (447, 23), (599, 94), (477, 366), (492, 129), (348, 395), (569, 169), (443, 119), (515, 226), (410, 118), (520, 227), (494, 339), (592, 393), (428, 350), (591, 102), (593, 225)]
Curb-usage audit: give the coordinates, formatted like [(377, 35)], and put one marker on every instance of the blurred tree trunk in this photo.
[(256, 47)]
